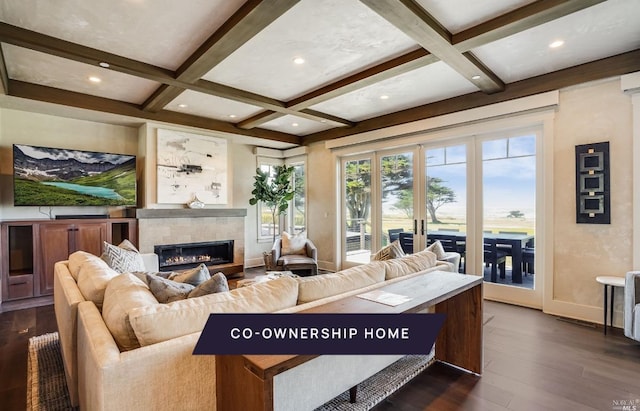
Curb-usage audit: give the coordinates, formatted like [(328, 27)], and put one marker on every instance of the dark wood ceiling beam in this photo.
[(76, 52), (391, 68), (523, 18), (4, 77), (608, 67), (243, 96), (415, 22), (526, 17), (253, 17), (73, 99), (72, 51)]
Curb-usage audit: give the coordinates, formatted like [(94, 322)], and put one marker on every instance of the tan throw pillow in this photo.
[(124, 258), (194, 276), (393, 250), (294, 244), (437, 249)]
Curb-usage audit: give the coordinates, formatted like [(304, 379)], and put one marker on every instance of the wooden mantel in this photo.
[(190, 212)]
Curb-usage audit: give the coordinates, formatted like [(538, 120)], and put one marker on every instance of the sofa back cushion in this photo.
[(155, 323), (77, 259), (93, 277), (327, 285), (409, 264), (123, 293)]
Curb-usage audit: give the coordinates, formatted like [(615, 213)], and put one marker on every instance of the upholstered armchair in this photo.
[(632, 305), (307, 259)]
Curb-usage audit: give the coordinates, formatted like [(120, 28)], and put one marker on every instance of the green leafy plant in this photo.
[(274, 189)]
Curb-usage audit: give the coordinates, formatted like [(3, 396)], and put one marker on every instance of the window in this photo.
[(266, 225), (294, 220)]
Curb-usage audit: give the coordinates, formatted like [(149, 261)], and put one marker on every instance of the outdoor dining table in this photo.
[(515, 240)]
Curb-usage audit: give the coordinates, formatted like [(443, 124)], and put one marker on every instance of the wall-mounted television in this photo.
[(44, 176)]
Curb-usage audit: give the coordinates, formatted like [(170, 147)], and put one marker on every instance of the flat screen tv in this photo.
[(44, 176)]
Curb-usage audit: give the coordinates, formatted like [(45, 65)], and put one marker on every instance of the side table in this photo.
[(612, 282)]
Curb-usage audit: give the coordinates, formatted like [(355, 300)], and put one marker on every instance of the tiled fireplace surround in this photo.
[(176, 226)]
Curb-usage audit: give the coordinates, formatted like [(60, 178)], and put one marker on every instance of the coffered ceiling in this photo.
[(298, 71)]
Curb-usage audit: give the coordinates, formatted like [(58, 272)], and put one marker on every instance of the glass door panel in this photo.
[(446, 198), (509, 199), (396, 181), (357, 210)]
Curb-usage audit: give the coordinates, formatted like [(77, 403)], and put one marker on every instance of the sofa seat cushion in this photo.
[(295, 259), (93, 277), (156, 323), (409, 264), (327, 285), (122, 294)]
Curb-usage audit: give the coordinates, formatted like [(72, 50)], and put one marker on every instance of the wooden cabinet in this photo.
[(57, 241), (30, 249)]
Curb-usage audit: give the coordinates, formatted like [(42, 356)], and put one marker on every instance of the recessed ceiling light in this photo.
[(294, 124), (476, 77), (95, 79), (384, 97), (182, 105), (556, 44), (103, 64), (232, 116), (298, 60)]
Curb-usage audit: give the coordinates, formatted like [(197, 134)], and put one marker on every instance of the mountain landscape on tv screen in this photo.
[(58, 177)]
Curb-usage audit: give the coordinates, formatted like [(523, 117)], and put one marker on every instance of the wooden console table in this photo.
[(247, 381)]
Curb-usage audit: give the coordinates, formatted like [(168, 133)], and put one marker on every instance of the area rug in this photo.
[(46, 383), (381, 385)]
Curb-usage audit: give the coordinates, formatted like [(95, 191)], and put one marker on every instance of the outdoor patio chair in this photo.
[(495, 258)]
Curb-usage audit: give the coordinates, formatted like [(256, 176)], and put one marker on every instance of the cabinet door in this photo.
[(89, 237), (55, 245)]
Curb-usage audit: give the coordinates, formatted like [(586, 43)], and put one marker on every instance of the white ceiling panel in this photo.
[(159, 32), (459, 15), (335, 38), (597, 32), (422, 86), (206, 105), (47, 70), (297, 125)]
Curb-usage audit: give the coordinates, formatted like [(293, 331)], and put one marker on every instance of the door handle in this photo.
[(422, 227), (415, 226)]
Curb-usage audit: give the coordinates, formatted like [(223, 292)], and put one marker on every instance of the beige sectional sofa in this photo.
[(127, 351)]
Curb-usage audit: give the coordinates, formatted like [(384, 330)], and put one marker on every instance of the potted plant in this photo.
[(274, 189)]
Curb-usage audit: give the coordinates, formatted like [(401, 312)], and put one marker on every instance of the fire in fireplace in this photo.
[(180, 256)]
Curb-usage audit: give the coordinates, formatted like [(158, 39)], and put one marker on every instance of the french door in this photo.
[(480, 192)]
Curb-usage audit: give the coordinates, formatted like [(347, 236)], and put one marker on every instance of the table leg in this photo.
[(516, 262), (605, 309), (613, 290)]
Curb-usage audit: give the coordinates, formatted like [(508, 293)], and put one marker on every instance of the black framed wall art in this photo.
[(593, 203)]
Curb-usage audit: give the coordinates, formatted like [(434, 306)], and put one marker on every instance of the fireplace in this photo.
[(181, 256)]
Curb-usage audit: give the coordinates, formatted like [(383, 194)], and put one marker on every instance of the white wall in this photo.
[(592, 113)]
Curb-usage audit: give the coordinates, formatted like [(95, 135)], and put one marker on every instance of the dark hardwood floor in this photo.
[(16, 327), (532, 361)]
